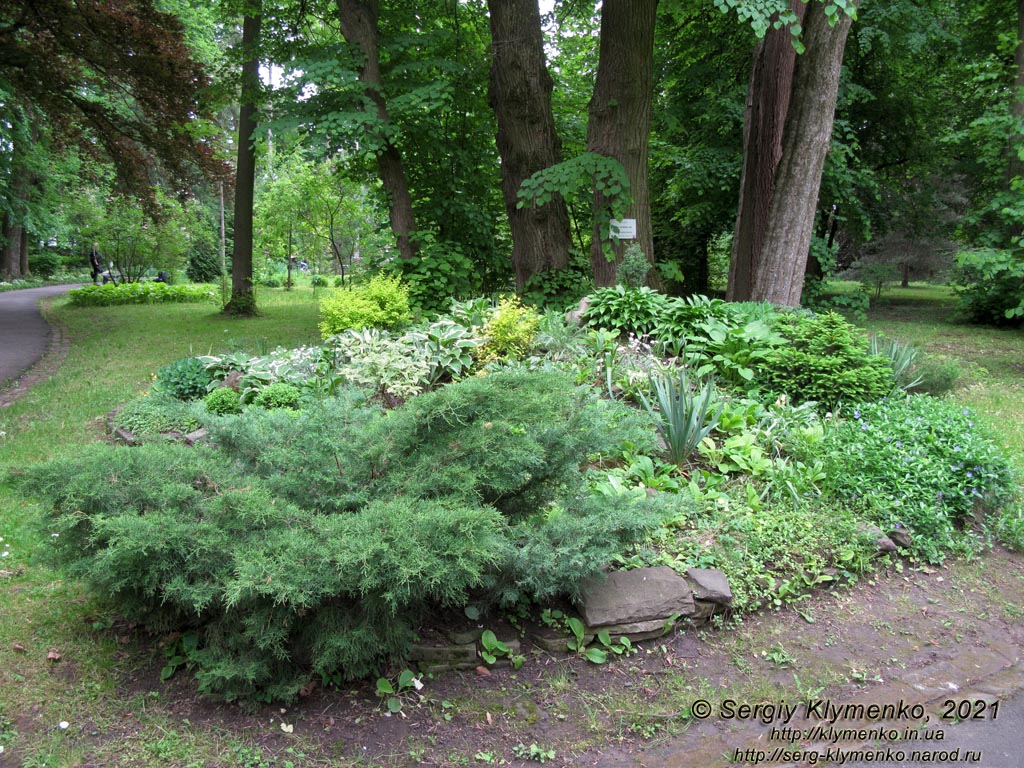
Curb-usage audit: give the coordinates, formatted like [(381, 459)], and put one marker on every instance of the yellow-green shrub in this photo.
[(509, 331), (381, 303)]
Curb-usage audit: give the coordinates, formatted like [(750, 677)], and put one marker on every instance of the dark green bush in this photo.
[(318, 281), (626, 310), (826, 360), (919, 462), (204, 265), (990, 284), (185, 379), (179, 539), (44, 264), (511, 439), (280, 394), (312, 543), (157, 414), (139, 293), (223, 401), (314, 459)]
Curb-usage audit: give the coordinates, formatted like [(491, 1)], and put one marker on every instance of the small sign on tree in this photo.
[(623, 229)]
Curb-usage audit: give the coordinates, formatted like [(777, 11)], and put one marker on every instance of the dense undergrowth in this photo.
[(495, 457)]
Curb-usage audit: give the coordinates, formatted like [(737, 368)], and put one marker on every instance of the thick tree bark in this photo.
[(359, 27), (520, 95), (14, 245), (10, 250), (619, 123), (243, 297), (808, 132), (771, 83)]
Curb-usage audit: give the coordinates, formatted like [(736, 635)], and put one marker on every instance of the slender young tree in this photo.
[(520, 94), (243, 295), (619, 119)]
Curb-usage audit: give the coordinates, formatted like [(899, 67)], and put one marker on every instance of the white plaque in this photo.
[(623, 229)]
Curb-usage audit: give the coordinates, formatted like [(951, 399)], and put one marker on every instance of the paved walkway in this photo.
[(24, 335)]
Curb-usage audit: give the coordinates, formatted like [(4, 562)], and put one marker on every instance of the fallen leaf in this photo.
[(287, 728), (489, 720), (483, 671), (53, 655), (19, 648)]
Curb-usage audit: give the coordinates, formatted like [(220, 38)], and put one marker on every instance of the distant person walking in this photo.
[(96, 261)]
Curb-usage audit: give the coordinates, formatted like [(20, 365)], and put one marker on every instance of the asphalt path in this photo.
[(24, 334)]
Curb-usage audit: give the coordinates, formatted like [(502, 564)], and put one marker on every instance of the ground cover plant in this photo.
[(114, 294), (753, 501)]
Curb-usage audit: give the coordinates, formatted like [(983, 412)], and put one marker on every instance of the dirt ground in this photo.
[(565, 711)]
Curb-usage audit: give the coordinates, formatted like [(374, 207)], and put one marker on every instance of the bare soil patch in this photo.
[(838, 644)]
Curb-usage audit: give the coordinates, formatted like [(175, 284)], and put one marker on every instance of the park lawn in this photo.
[(114, 353)]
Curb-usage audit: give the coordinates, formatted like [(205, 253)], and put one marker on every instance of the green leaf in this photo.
[(384, 686), (394, 705), (576, 627), (596, 655)]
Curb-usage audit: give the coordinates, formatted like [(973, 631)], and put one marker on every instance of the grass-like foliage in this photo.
[(684, 416), (918, 462), (826, 360), (139, 293), (311, 543)]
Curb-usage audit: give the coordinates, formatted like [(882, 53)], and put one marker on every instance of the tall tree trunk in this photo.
[(520, 95), (243, 296), (808, 133), (359, 27), (10, 257), (23, 252), (1015, 165), (1017, 105), (619, 122), (768, 97)]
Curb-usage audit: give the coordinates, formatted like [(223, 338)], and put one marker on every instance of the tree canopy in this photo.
[(413, 110)]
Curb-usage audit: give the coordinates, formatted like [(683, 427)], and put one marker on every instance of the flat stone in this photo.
[(638, 631), (553, 641), (464, 636), (194, 437), (710, 584), (900, 537), (444, 654), (705, 610), (125, 436), (885, 544), (643, 594)]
